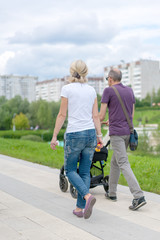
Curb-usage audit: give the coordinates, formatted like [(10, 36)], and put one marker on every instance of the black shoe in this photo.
[(114, 199), (137, 203)]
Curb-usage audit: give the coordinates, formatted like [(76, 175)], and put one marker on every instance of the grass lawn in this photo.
[(146, 168), (146, 116), (37, 152)]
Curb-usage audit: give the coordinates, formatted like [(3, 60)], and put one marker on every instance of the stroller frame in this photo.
[(96, 173)]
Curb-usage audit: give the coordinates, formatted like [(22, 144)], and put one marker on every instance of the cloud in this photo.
[(82, 30), (44, 37), (4, 58)]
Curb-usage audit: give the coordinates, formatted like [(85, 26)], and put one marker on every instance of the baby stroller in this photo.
[(96, 173)]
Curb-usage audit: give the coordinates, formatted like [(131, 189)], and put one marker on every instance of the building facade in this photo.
[(24, 86), (98, 83), (50, 90), (143, 76)]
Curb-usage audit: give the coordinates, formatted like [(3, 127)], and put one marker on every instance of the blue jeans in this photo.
[(79, 147)]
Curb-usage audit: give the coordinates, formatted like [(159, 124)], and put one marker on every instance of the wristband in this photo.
[(100, 135)]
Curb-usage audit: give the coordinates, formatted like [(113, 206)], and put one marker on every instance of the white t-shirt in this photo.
[(81, 98)]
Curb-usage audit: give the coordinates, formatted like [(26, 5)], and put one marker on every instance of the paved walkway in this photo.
[(32, 207)]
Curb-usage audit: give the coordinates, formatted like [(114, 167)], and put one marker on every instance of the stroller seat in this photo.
[(96, 173)]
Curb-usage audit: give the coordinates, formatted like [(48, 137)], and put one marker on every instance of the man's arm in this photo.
[(133, 111)]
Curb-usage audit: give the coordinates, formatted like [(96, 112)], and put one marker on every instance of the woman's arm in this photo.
[(97, 123), (59, 121)]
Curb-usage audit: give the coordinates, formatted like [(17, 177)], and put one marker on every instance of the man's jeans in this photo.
[(119, 162), (79, 147)]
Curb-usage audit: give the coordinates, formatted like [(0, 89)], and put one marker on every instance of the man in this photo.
[(119, 135)]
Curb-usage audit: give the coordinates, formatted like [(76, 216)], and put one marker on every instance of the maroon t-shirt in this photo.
[(118, 124)]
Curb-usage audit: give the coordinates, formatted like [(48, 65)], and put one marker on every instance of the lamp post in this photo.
[(14, 127)]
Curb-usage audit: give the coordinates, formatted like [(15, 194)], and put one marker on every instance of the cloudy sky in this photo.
[(42, 37)]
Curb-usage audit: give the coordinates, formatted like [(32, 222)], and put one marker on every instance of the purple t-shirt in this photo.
[(118, 124)]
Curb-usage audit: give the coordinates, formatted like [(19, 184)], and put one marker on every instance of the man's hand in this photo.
[(106, 123)]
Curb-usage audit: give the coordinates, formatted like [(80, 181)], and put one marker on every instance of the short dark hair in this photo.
[(115, 74)]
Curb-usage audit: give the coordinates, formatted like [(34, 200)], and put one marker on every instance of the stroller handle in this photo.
[(107, 144)]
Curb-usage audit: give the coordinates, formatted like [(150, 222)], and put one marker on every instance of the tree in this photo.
[(99, 101), (5, 119), (2, 100), (20, 121), (158, 96), (43, 114)]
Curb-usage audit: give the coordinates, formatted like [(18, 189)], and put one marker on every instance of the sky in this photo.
[(42, 38)]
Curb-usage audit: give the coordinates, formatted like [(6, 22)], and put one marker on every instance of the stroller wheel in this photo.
[(106, 185), (73, 191), (63, 184)]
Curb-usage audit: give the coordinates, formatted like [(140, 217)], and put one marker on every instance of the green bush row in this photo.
[(45, 135), (32, 138)]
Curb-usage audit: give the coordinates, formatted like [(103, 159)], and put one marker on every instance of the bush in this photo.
[(47, 136), (32, 138), (18, 133), (158, 148)]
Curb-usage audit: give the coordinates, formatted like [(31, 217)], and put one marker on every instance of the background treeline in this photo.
[(151, 100), (39, 113)]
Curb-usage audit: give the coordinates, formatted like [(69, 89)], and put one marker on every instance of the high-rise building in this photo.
[(50, 90), (143, 76), (12, 85), (99, 83)]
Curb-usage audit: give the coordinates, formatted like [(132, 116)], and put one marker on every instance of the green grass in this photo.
[(145, 167), (146, 170), (150, 116), (37, 152)]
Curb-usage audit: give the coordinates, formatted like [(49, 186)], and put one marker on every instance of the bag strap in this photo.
[(124, 109)]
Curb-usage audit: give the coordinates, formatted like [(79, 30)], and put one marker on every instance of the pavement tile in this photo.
[(45, 213)]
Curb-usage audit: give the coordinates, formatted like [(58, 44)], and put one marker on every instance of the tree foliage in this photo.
[(21, 122), (41, 112), (150, 100)]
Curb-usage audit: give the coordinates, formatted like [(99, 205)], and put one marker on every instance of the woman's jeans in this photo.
[(79, 147)]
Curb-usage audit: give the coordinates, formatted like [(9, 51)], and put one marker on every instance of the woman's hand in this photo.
[(54, 143), (99, 142)]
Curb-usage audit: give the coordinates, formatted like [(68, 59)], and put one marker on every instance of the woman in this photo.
[(83, 127)]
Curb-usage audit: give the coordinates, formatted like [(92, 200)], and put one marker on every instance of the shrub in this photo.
[(47, 136), (18, 133), (32, 138), (158, 148)]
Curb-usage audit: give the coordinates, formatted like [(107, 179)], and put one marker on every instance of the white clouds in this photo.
[(44, 37), (4, 59), (82, 30)]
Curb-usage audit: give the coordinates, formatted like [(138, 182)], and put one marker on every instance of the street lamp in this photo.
[(14, 127)]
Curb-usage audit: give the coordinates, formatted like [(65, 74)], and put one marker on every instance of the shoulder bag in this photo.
[(133, 141)]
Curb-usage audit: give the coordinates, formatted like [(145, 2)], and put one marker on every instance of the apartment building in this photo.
[(99, 83), (50, 90), (12, 85), (143, 76)]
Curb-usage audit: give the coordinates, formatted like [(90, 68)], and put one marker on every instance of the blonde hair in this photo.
[(78, 71)]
